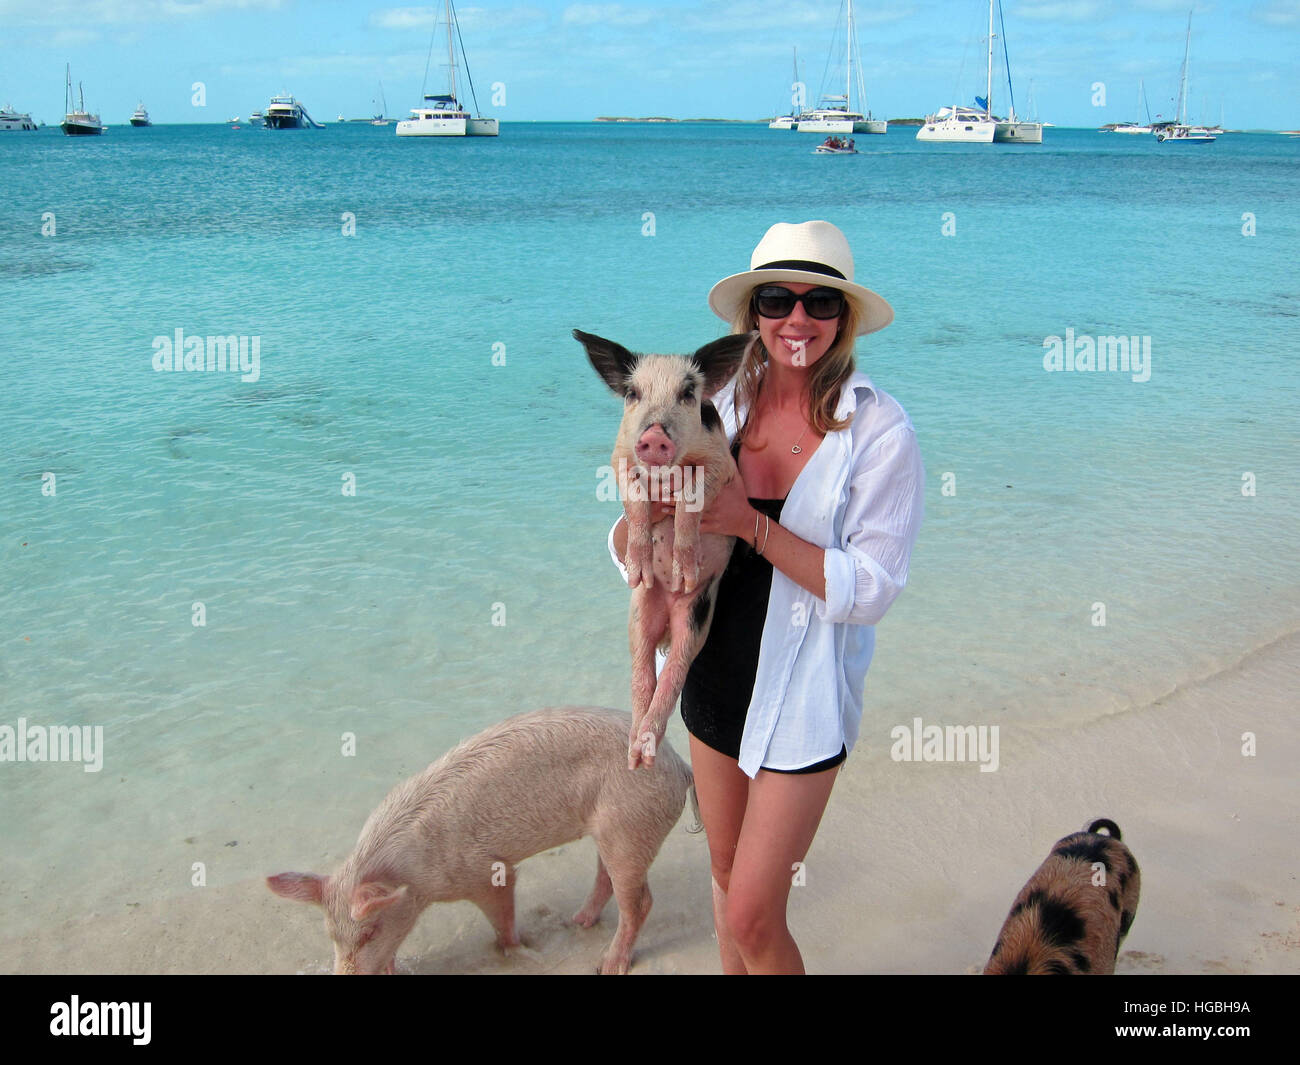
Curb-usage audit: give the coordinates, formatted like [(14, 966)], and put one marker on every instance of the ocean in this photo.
[(280, 588)]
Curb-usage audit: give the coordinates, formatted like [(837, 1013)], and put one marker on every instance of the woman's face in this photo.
[(798, 339)]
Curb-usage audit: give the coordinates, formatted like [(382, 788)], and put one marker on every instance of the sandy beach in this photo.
[(912, 870)]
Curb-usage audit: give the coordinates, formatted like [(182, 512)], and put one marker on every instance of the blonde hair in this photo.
[(825, 378)]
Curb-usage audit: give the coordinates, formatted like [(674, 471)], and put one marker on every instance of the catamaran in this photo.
[(442, 115), (960, 124), (1178, 131), (834, 114)]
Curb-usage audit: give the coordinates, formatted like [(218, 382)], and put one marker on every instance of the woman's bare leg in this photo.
[(779, 821), (723, 791)]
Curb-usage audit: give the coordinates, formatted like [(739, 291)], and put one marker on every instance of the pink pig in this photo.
[(671, 443), (455, 831)]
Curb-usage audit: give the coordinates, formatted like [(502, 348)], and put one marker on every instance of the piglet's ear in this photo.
[(612, 361), (305, 887), (721, 359), (373, 896)]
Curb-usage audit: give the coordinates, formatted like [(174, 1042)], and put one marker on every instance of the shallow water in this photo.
[(466, 578)]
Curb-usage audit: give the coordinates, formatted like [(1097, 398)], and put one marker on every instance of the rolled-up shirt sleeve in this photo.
[(881, 520), (613, 551)]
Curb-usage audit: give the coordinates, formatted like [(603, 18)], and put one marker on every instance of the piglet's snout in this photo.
[(654, 448)]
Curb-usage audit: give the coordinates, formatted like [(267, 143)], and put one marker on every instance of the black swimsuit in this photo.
[(720, 683)]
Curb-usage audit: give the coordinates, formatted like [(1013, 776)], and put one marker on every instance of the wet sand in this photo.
[(912, 871)]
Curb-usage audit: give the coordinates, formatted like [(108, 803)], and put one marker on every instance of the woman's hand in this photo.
[(731, 514)]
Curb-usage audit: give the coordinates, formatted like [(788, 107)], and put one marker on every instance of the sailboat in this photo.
[(1177, 131), (833, 115), (1133, 127), (1012, 130), (960, 124), (79, 122), (791, 120), (380, 119), (442, 115)]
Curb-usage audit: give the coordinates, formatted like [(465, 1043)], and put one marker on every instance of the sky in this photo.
[(551, 60)]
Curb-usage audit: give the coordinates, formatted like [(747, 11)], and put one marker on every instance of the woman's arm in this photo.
[(731, 515)]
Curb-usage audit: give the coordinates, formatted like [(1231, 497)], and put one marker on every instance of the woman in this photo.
[(827, 507)]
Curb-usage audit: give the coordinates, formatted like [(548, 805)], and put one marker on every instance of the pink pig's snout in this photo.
[(654, 448)]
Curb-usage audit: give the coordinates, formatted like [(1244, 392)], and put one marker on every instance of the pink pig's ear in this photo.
[(612, 361), (305, 887), (373, 896), (721, 359)]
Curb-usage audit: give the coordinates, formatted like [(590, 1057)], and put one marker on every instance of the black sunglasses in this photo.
[(772, 301)]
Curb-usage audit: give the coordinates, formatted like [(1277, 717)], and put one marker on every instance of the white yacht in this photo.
[(141, 117), (80, 122), (11, 120), (285, 112), (442, 115), (835, 114), (255, 118)]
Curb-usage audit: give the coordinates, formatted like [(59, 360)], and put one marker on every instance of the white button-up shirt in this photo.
[(860, 496)]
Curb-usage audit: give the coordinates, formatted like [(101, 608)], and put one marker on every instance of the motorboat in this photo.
[(836, 146), (13, 121), (141, 117), (285, 112)]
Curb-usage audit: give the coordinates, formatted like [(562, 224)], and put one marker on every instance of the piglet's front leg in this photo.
[(686, 548), (640, 544)]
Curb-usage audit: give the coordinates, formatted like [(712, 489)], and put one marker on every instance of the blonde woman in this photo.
[(825, 511)]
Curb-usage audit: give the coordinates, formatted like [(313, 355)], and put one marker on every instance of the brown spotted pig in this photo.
[(1074, 912), (455, 831), (671, 444)]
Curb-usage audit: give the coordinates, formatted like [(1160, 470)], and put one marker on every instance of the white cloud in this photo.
[(610, 15), (1277, 13), (1062, 10), (469, 18), (119, 12)]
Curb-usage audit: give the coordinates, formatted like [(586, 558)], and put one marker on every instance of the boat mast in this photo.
[(988, 87), (451, 53), (1182, 85), (848, 57)]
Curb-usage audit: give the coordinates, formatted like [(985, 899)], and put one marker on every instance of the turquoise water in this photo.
[(427, 360)]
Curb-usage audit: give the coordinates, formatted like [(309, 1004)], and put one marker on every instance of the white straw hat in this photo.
[(814, 253)]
